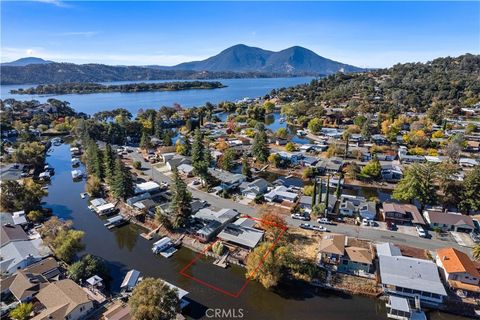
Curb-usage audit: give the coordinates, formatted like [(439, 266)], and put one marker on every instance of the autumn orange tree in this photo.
[(272, 222)]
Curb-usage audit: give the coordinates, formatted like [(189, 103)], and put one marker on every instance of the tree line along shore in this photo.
[(85, 88)]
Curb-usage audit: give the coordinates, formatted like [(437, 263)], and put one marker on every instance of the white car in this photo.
[(324, 221), (365, 223), (319, 228), (299, 216), (421, 232)]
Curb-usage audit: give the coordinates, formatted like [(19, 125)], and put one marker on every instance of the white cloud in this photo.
[(57, 3), (10, 54), (79, 33)]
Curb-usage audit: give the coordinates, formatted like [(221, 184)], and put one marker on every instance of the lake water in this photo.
[(90, 103), (124, 249)]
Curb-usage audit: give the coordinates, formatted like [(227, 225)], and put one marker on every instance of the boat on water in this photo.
[(281, 120), (116, 221), (401, 308), (83, 195), (301, 133), (77, 174), (75, 162), (164, 246)]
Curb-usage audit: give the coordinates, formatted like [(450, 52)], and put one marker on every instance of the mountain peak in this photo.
[(26, 61), (293, 60)]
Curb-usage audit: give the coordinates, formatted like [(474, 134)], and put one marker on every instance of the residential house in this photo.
[(390, 171), (352, 205), (329, 166), (401, 214), (357, 261), (290, 182), (24, 284), (213, 222), (242, 233), (18, 251), (280, 194), (16, 218), (449, 221), (410, 277), (13, 171), (346, 255), (150, 187), (331, 249), (255, 188), (228, 180), (185, 169), (305, 203), (405, 158), (379, 139), (292, 157), (63, 299), (308, 161), (458, 270)]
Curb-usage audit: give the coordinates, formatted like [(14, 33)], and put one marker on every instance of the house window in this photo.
[(436, 296)]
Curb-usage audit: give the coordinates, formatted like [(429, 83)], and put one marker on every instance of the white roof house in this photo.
[(20, 254), (281, 193), (411, 277), (149, 186)]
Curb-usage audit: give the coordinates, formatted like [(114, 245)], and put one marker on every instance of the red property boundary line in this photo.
[(262, 261)]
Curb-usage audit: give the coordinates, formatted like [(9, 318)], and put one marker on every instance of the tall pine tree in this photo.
[(180, 205), (122, 182), (260, 145), (108, 162)]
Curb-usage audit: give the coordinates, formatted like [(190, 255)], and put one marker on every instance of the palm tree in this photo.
[(476, 252)]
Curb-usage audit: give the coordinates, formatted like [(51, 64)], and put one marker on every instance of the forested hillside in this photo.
[(441, 84)]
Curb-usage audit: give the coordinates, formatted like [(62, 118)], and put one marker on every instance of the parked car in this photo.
[(325, 221), (421, 232), (299, 216), (365, 222), (306, 226), (319, 228), (391, 226)]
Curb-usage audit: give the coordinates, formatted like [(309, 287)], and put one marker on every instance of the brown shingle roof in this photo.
[(27, 282), (361, 255), (11, 233), (61, 297), (333, 243), (449, 218)]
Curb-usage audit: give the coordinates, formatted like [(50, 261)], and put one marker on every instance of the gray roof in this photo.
[(210, 228), (130, 280), (307, 200), (17, 251), (411, 273), (222, 216), (226, 176), (388, 249), (399, 303), (241, 235)]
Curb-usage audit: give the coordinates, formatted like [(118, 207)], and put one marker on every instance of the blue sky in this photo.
[(366, 34)]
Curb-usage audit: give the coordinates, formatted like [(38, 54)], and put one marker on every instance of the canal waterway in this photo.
[(124, 249)]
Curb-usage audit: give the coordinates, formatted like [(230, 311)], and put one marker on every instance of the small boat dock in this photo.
[(116, 221), (222, 261)]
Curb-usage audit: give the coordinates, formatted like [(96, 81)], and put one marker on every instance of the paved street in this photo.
[(370, 233)]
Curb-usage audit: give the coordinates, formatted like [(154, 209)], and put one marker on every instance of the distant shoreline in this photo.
[(89, 88)]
